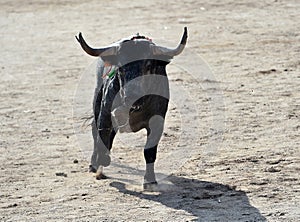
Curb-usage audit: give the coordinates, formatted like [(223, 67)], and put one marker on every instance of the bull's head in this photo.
[(135, 48)]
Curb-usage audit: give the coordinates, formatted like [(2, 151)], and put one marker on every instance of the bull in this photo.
[(132, 93)]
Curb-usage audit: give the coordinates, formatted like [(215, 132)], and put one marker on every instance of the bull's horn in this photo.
[(159, 50), (108, 51)]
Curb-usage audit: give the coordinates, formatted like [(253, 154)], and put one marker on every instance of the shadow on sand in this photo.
[(205, 200)]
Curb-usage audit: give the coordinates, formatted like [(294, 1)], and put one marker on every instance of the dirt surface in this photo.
[(252, 173)]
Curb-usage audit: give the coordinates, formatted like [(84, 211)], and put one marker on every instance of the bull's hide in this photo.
[(122, 91)]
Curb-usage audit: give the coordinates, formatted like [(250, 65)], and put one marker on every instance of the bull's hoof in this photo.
[(92, 169), (151, 186), (101, 176)]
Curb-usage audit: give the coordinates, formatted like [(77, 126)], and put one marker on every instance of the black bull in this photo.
[(132, 95)]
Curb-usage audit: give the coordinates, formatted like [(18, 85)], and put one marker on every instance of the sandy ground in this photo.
[(252, 171)]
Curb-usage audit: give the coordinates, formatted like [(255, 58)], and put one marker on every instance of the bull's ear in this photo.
[(113, 60)]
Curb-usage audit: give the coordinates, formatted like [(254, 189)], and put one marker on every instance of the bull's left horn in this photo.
[(107, 51), (159, 50)]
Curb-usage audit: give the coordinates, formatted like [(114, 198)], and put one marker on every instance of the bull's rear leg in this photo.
[(154, 132)]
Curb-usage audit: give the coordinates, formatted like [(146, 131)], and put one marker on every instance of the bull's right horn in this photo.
[(160, 50), (107, 51)]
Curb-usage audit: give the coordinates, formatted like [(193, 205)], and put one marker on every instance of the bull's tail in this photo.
[(87, 120)]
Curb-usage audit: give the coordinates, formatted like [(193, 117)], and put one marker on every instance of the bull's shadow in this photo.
[(205, 200)]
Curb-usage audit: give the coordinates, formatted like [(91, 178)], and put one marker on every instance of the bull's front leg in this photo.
[(100, 149), (103, 134), (154, 132), (93, 166), (103, 151)]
